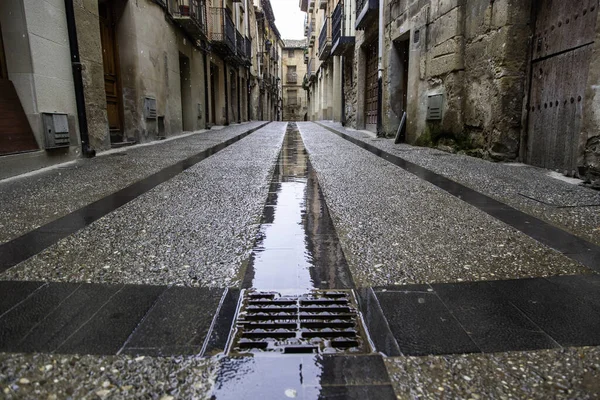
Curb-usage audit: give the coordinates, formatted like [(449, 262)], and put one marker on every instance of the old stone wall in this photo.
[(292, 81), (474, 53), (90, 52)]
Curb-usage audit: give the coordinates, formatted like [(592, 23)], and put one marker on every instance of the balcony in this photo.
[(303, 5), (240, 46), (248, 51), (323, 4), (325, 40), (310, 70), (291, 77), (366, 13), (311, 6), (342, 33), (191, 16), (311, 34), (222, 32)]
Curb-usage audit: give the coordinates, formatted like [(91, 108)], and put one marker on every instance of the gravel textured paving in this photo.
[(32, 201), (527, 188), (54, 376), (572, 373), (196, 229), (396, 228)]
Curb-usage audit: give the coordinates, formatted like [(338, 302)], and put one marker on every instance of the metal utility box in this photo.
[(56, 130), (434, 106), (149, 108)]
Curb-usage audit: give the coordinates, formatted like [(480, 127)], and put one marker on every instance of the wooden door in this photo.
[(3, 70), (15, 133), (111, 71), (371, 87), (562, 49)]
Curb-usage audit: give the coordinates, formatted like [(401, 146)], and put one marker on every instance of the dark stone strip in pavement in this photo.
[(14, 293), (177, 324), (222, 326), (32, 243), (493, 316), (108, 319), (571, 246)]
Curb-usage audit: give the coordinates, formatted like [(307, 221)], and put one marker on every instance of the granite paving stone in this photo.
[(396, 228), (570, 373), (57, 376), (530, 189), (32, 201), (195, 229)]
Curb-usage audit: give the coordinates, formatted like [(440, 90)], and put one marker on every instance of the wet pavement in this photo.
[(277, 271)]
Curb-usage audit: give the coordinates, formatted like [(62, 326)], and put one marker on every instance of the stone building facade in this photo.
[(502, 79), (294, 70), (106, 73)]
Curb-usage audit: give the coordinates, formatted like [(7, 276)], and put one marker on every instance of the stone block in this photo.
[(510, 12), (445, 27), (444, 64), (451, 46), (477, 18)]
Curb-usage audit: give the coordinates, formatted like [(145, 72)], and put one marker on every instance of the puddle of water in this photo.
[(297, 249)]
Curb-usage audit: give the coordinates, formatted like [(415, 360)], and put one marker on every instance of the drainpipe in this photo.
[(86, 151), (206, 110), (343, 116), (239, 98), (380, 71), (226, 94)]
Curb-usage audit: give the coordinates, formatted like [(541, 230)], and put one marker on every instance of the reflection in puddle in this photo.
[(297, 248)]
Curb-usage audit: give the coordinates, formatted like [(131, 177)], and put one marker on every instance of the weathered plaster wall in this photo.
[(590, 132)]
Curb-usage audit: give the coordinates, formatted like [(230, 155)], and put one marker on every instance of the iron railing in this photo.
[(239, 44), (292, 77), (324, 35), (337, 22), (248, 48), (221, 27), (195, 10), (311, 32), (310, 68)]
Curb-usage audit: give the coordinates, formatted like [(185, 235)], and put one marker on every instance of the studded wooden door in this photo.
[(110, 62), (371, 93), (563, 37)]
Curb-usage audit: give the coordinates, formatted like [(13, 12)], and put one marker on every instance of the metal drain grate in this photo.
[(318, 322)]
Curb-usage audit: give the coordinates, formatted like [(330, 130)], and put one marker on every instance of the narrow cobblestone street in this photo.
[(297, 260)]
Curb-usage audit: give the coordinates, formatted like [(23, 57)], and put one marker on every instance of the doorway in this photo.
[(399, 61), (15, 132), (110, 61), (561, 58), (371, 87), (214, 79), (187, 120)]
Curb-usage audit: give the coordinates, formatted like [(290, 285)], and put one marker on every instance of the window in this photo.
[(291, 53), (292, 77), (292, 97)]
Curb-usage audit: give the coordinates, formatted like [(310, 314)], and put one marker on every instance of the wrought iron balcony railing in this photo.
[(248, 49), (292, 77), (191, 15), (310, 68), (222, 32), (342, 35), (325, 40), (366, 12), (239, 44)]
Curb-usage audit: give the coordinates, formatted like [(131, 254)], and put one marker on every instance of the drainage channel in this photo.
[(297, 330)]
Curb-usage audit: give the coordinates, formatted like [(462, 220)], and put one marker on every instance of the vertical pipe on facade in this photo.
[(206, 109), (225, 72), (380, 70), (86, 150), (343, 116)]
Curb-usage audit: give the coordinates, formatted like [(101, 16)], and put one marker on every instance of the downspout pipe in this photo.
[(227, 93), (380, 131), (343, 116), (206, 109), (86, 150)]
